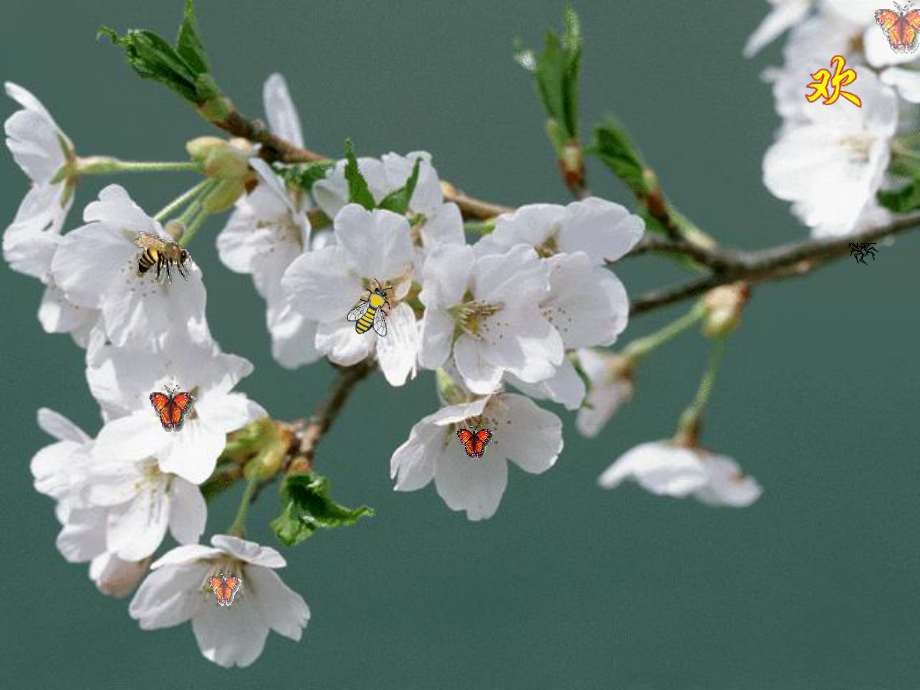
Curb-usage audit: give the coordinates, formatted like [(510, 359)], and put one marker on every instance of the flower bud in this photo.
[(723, 306), (175, 229), (200, 147), (224, 195)]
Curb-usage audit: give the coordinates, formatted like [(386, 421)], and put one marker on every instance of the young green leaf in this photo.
[(184, 69), (556, 72), (614, 148), (902, 200), (398, 201), (307, 508), (358, 191), (188, 44), (305, 175)]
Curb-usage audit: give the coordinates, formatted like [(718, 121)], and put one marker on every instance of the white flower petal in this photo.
[(475, 485), (194, 451), (436, 332), (605, 231), (58, 426), (280, 111), (446, 275), (377, 242), (232, 635), (187, 554), (115, 577), (321, 286), (249, 551), (531, 437), (280, 607), (342, 344), (727, 485), (479, 375), (169, 596), (188, 511), (398, 351), (227, 412), (660, 468), (135, 530), (134, 437), (412, 464)]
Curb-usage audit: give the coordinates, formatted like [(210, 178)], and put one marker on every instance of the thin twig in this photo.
[(794, 259), (306, 441)]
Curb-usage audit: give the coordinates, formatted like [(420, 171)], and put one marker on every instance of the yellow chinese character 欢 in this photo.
[(840, 79)]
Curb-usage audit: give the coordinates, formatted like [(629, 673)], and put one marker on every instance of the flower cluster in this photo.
[(117, 494), (830, 162)]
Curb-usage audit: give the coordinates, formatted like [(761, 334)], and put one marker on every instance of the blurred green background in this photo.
[(568, 586)]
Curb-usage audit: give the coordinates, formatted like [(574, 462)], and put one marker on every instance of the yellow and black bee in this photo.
[(162, 253), (370, 312)]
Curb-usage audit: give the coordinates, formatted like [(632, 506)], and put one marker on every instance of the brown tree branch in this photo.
[(308, 435), (794, 259)]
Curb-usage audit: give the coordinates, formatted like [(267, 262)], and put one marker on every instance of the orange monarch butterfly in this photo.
[(225, 588), (900, 27), (172, 407), (475, 444)]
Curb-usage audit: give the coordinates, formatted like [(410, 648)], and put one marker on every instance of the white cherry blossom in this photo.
[(831, 165), (176, 591), (324, 285), (665, 469), (42, 150), (487, 311), (603, 230), (268, 230), (60, 469), (96, 268), (523, 433), (133, 431)]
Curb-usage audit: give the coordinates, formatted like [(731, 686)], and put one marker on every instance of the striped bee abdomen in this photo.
[(365, 322), (148, 258)]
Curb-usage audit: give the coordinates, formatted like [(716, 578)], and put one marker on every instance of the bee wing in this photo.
[(358, 311), (146, 240), (380, 323)]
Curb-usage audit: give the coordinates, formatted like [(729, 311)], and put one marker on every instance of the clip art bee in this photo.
[(162, 253), (370, 311)]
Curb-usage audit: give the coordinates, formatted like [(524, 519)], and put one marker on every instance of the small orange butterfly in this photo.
[(225, 588), (475, 444), (900, 27), (172, 408)]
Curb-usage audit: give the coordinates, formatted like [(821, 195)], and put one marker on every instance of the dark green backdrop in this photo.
[(815, 586)]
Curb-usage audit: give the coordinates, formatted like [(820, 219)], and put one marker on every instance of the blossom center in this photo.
[(470, 316), (858, 146)]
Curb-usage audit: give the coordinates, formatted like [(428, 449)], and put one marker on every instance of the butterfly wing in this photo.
[(162, 404), (892, 24), (380, 323), (358, 311), (911, 25), (484, 435), (231, 587), (466, 437), (217, 584), (181, 405)]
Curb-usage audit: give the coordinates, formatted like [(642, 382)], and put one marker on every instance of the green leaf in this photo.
[(613, 148), (556, 72), (307, 508), (358, 191), (153, 58), (188, 44), (398, 201), (306, 175), (183, 68), (902, 200)]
